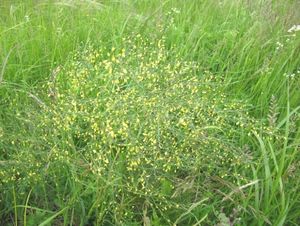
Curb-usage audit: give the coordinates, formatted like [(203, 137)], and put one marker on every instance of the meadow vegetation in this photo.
[(136, 112)]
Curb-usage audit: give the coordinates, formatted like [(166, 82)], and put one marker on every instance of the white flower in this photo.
[(59, 30), (289, 75), (279, 45), (27, 18), (1, 132), (294, 28), (175, 10)]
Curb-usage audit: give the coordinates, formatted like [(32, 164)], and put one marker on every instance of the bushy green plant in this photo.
[(140, 118)]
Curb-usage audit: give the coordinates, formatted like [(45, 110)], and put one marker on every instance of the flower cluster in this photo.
[(142, 118), (146, 110)]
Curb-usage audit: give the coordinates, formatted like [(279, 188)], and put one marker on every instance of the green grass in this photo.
[(149, 112)]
